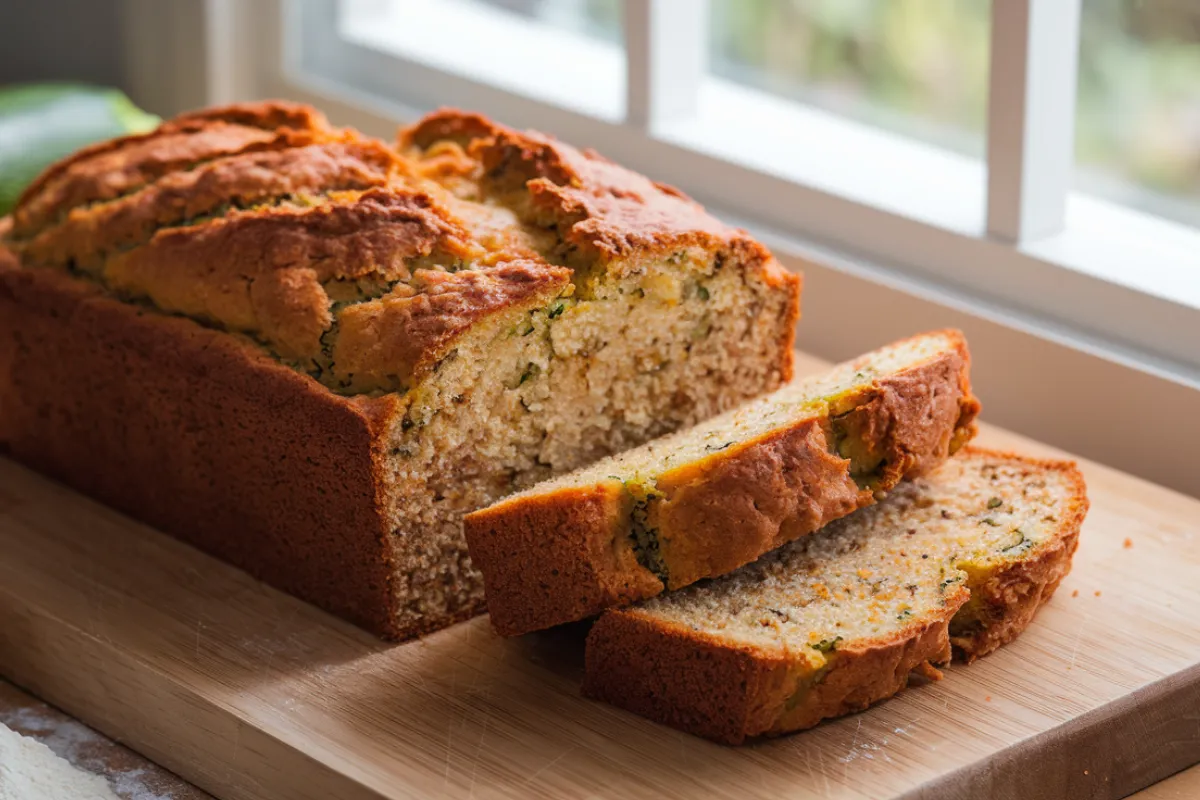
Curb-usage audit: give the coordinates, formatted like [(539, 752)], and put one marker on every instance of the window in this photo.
[(597, 19), (916, 67), (1138, 124), (574, 56), (933, 141)]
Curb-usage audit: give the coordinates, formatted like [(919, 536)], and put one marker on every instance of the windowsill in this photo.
[(816, 148), (1109, 242)]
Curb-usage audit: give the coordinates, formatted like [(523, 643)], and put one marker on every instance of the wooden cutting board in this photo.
[(250, 693)]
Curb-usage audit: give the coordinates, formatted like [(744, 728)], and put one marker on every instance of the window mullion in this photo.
[(666, 50), (1031, 116)]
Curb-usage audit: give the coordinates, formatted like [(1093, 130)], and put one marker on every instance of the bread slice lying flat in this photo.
[(705, 501), (836, 621)]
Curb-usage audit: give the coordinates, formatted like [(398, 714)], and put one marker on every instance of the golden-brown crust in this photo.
[(87, 164), (153, 414), (677, 677), (600, 209), (702, 684), (1010, 597), (313, 165), (396, 340), (242, 217), (728, 693), (790, 483), (447, 125), (266, 114), (575, 536), (112, 173), (860, 676), (263, 270), (598, 204), (724, 510)]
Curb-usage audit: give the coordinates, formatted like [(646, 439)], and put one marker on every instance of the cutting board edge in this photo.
[(1091, 756)]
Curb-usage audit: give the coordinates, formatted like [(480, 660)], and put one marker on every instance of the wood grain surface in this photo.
[(249, 693), (1182, 786), (129, 775)]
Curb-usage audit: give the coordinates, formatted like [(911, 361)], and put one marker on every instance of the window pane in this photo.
[(1138, 118), (598, 19), (568, 53), (917, 67)]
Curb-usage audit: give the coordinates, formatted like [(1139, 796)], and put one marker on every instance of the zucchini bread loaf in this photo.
[(704, 501), (310, 353), (960, 559)]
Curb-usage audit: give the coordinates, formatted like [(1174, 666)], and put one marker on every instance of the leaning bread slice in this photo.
[(705, 501), (836, 621)]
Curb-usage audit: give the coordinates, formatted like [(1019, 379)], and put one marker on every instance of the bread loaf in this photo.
[(310, 353)]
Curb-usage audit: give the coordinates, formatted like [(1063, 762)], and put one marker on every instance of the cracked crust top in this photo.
[(346, 259), (601, 211)]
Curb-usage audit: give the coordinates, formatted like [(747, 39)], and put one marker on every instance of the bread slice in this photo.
[(705, 501), (310, 353), (836, 621)]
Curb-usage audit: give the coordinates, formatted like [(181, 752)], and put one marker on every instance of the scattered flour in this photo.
[(130, 777), (31, 771)]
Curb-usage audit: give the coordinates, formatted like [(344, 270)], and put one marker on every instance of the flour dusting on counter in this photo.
[(31, 771), (123, 774)]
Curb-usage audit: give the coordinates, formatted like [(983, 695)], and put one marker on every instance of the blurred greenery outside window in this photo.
[(916, 67), (920, 68), (597, 19), (1137, 125)]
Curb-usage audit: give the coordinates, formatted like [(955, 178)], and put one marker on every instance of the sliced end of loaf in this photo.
[(531, 394), (836, 621)]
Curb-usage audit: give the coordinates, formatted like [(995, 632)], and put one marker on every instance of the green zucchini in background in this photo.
[(42, 123)]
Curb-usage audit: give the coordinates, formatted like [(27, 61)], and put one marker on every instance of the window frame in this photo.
[(1035, 271)]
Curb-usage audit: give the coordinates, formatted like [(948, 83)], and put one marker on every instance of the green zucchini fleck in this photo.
[(1022, 544), (947, 583), (826, 645), (531, 371), (647, 547)]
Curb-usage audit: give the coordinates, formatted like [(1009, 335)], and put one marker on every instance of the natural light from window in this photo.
[(597, 19), (568, 51), (1138, 115), (915, 67)]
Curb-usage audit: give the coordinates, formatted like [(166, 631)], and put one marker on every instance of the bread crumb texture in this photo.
[(703, 501), (957, 560), (485, 307)]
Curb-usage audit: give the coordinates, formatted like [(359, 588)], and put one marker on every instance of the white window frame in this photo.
[(1034, 271)]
